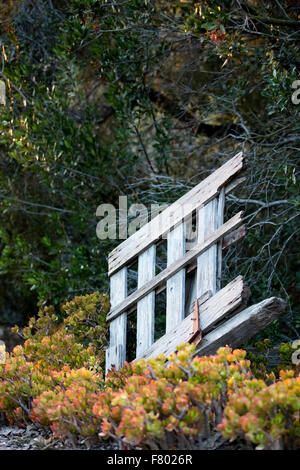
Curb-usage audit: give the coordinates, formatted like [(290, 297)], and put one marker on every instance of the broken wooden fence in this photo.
[(208, 315)]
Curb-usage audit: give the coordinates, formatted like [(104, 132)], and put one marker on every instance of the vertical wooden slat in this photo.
[(116, 353), (220, 221), (207, 261), (176, 284), (145, 307)]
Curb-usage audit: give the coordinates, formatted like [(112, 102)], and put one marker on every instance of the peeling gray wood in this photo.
[(223, 303), (2, 93), (207, 261), (234, 237), (190, 284), (176, 284), (242, 326), (211, 311), (174, 214), (235, 183), (220, 221), (114, 357), (181, 263), (228, 240), (145, 307), (118, 327)]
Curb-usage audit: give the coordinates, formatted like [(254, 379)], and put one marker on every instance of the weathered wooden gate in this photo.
[(200, 316)]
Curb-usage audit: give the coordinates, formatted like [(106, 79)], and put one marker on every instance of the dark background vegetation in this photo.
[(144, 98)]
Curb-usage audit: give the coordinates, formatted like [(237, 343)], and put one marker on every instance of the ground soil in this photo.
[(36, 437)]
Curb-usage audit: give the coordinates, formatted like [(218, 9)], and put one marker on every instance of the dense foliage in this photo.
[(55, 352), (266, 416), (56, 379), (143, 98)]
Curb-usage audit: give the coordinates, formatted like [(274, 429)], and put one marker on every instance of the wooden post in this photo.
[(176, 284), (220, 221), (145, 307), (2, 93), (116, 353), (207, 261), (242, 326)]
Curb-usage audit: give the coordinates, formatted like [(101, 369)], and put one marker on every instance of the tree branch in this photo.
[(177, 111)]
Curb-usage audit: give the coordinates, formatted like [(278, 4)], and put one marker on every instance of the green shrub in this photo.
[(67, 408), (53, 347), (173, 406), (268, 416), (175, 402)]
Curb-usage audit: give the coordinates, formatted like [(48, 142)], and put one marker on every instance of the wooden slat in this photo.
[(190, 244), (220, 221), (181, 263), (210, 312), (174, 214), (176, 284), (222, 303), (118, 327), (2, 92), (192, 232), (242, 326), (145, 307), (207, 261), (234, 184), (233, 237), (228, 240), (209, 264), (114, 357)]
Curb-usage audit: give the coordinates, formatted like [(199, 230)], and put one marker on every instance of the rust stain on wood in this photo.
[(197, 333)]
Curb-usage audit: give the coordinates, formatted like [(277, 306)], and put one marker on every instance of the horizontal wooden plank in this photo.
[(234, 237), (179, 264), (242, 326), (228, 240), (234, 184), (160, 225), (210, 312), (241, 232), (222, 304)]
